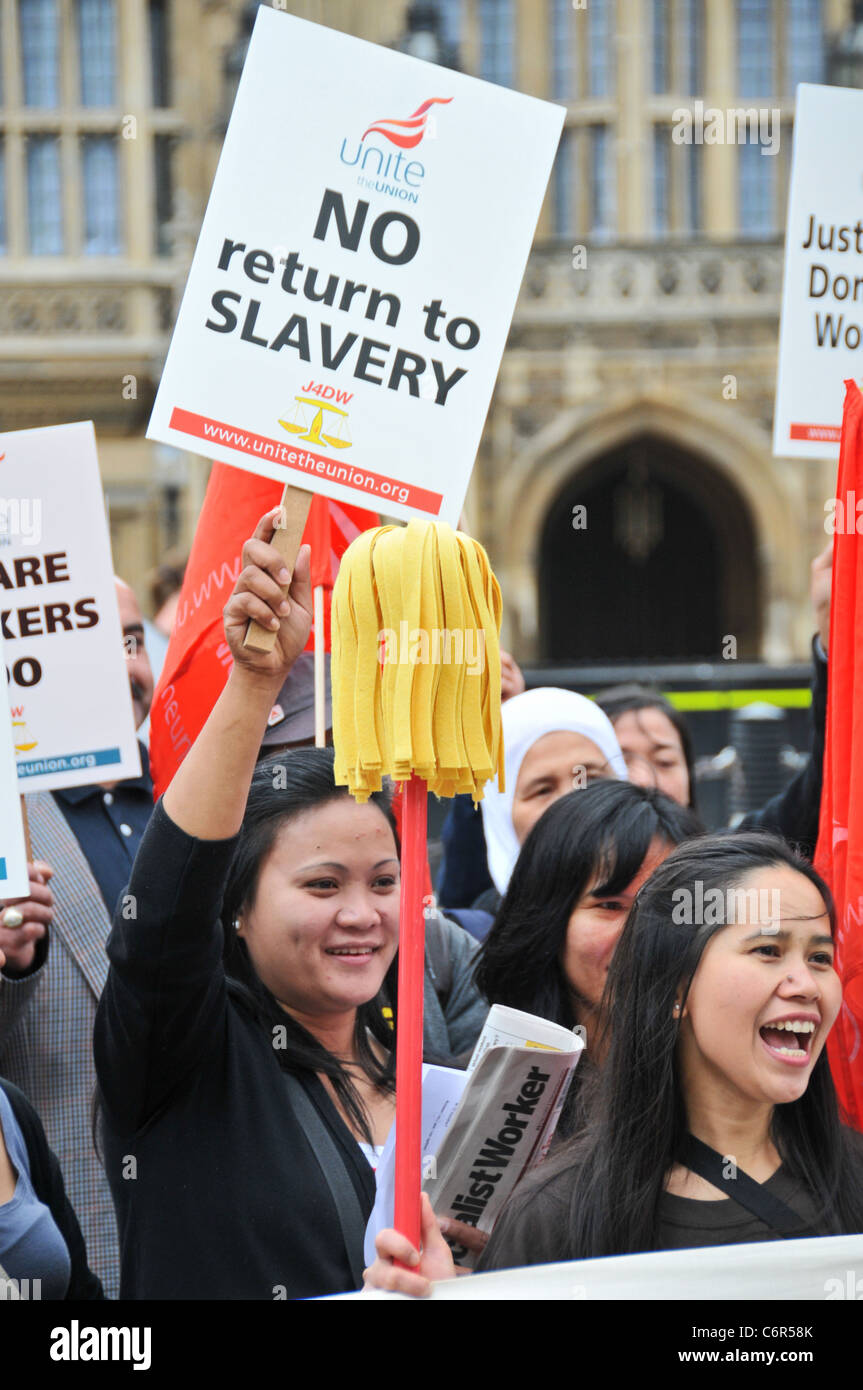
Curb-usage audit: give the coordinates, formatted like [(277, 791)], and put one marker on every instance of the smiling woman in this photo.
[(778, 973), (701, 1098), (709, 997), (706, 1127), (310, 918), (241, 1044)]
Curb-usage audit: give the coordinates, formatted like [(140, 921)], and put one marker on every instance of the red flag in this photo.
[(839, 853), (329, 531), (198, 660), (318, 534)]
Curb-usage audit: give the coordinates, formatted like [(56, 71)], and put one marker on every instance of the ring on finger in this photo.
[(12, 917)]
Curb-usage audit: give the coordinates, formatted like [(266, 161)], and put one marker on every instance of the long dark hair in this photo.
[(601, 832), (630, 699), (283, 787), (611, 1178)]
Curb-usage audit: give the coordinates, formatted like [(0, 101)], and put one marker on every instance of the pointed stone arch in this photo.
[(724, 446)]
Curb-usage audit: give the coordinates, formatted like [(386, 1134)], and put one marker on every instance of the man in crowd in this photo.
[(84, 840)]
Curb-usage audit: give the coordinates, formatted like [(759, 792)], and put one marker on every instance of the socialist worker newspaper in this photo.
[(502, 1128)]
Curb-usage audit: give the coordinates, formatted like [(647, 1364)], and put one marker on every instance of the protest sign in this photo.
[(815, 1269), (356, 273), (68, 687), (821, 335), (14, 881)]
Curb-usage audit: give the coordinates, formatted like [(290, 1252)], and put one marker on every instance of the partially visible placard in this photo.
[(14, 880), (72, 717), (821, 334)]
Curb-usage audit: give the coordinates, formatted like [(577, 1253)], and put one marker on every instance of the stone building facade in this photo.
[(625, 486)]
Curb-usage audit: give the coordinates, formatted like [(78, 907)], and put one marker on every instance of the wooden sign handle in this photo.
[(320, 669), (287, 538), (25, 822)]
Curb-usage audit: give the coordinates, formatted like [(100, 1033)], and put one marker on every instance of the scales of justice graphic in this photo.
[(21, 745), (300, 423)]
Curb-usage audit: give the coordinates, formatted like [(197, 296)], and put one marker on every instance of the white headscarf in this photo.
[(525, 719)]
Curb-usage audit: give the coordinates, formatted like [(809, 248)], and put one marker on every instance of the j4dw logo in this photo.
[(388, 171)]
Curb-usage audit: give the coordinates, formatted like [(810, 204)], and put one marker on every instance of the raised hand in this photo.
[(207, 797), (258, 594)]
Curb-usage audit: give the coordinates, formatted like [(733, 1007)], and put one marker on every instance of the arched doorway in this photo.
[(660, 564)]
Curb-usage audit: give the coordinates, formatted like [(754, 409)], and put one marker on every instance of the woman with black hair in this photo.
[(573, 884), (571, 889), (241, 1044), (715, 1119), (655, 739)]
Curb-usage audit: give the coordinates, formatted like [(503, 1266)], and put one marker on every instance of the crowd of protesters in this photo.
[(217, 1068)]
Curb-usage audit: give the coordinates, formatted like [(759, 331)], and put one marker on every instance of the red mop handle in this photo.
[(409, 1037)]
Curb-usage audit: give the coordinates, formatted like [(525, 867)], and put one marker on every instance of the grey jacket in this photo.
[(453, 1008)]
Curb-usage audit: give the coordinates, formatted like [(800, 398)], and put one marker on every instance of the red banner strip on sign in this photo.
[(829, 432), (304, 462)]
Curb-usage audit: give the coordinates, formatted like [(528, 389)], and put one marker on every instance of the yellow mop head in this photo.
[(415, 625)]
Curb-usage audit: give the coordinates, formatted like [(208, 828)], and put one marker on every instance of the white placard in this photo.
[(819, 1269), (821, 335), (14, 881), (357, 270), (72, 715)]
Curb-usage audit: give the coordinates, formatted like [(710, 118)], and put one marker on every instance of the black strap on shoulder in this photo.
[(332, 1166), (710, 1165)]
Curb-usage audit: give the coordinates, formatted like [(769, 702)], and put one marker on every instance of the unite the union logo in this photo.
[(387, 170)]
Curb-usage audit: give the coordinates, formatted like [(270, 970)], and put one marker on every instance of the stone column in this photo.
[(719, 178)]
